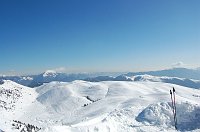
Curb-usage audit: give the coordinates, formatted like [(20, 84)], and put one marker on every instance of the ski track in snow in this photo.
[(110, 106)]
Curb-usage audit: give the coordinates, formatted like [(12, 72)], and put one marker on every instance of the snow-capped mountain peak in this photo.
[(51, 73), (146, 77)]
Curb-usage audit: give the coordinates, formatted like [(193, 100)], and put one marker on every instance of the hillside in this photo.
[(98, 106), (173, 80)]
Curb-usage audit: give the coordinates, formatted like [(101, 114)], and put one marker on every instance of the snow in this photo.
[(157, 114), (108, 106), (27, 78), (160, 114), (173, 80), (15, 100), (49, 73)]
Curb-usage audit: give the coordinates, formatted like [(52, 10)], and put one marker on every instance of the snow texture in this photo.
[(108, 106)]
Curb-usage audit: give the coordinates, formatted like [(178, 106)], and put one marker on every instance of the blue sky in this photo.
[(98, 35)]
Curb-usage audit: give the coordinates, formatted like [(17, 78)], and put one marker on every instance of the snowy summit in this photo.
[(50, 73)]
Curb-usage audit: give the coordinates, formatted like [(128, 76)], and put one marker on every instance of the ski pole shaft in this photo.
[(175, 118)]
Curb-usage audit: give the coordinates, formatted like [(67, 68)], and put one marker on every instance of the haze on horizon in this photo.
[(98, 36)]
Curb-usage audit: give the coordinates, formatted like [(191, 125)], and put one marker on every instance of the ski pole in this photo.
[(172, 102), (175, 118), (173, 108)]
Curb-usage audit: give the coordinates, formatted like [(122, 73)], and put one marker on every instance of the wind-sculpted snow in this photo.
[(188, 115), (157, 114)]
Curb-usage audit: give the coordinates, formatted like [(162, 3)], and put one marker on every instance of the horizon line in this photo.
[(17, 73)]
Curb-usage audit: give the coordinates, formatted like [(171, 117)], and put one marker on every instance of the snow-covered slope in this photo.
[(109, 78), (15, 100), (82, 106), (174, 80)]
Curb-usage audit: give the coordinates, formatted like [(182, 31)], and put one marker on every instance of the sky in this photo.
[(98, 35)]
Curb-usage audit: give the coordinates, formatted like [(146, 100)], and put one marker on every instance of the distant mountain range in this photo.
[(180, 76), (50, 75), (173, 80), (175, 72)]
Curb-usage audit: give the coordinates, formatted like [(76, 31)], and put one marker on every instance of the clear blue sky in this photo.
[(98, 35)]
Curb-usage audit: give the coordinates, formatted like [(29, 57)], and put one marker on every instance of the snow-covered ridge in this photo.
[(115, 106), (15, 99), (174, 80)]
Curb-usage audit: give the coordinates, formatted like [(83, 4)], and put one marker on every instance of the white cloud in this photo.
[(178, 65), (10, 73), (60, 69)]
